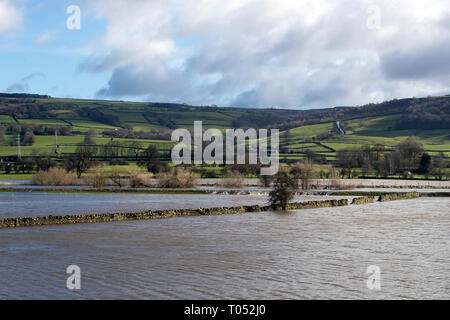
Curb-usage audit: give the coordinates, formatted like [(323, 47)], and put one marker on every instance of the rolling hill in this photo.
[(387, 123)]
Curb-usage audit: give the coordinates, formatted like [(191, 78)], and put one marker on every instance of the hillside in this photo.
[(371, 131), (428, 119)]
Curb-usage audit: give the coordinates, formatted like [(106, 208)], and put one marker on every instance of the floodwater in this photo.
[(20, 204), (305, 254), (34, 204), (360, 183)]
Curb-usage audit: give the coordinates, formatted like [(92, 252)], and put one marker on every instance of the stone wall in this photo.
[(91, 218), (398, 196), (150, 214), (317, 204), (363, 200)]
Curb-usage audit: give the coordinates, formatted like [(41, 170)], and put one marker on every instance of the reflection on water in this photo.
[(317, 253)]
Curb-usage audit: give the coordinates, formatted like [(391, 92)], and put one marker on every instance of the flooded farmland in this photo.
[(35, 204), (304, 254)]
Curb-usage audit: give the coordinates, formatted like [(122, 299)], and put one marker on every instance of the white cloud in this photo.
[(44, 37), (271, 52), (10, 16)]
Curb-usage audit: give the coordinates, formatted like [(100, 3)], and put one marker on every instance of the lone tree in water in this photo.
[(283, 190)]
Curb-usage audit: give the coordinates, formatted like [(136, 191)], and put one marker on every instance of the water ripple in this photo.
[(306, 254)]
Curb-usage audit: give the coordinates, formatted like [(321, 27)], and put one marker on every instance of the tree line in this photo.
[(28, 131), (406, 159)]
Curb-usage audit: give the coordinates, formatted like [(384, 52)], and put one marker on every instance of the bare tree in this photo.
[(80, 162), (305, 172), (439, 165), (89, 137), (348, 161), (406, 154), (28, 138)]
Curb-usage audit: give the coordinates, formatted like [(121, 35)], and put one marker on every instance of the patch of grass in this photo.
[(42, 144), (16, 177), (44, 122), (68, 144), (6, 119), (304, 132)]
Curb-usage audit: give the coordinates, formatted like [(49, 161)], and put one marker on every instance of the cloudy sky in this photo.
[(249, 53)]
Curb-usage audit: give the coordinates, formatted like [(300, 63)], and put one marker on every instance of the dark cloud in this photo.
[(268, 53), (316, 96), (421, 64), (96, 63), (246, 99), (324, 94), (155, 80), (444, 22)]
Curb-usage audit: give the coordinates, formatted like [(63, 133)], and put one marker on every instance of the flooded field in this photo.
[(305, 254), (33, 204), (19, 204), (357, 183)]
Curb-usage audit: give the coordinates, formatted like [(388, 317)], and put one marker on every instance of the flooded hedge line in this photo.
[(398, 196), (91, 218), (435, 194), (110, 190), (150, 214), (316, 204), (385, 197), (363, 200), (406, 195)]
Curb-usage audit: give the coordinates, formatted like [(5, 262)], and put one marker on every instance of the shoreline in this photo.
[(158, 214)]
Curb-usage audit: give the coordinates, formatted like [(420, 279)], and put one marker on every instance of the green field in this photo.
[(359, 133), (321, 136), (298, 139), (6, 119), (68, 144)]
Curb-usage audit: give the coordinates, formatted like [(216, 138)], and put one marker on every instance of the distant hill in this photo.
[(424, 113), (23, 95), (384, 123)]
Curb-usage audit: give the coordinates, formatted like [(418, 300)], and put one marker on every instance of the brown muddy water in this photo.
[(305, 254), (34, 204)]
